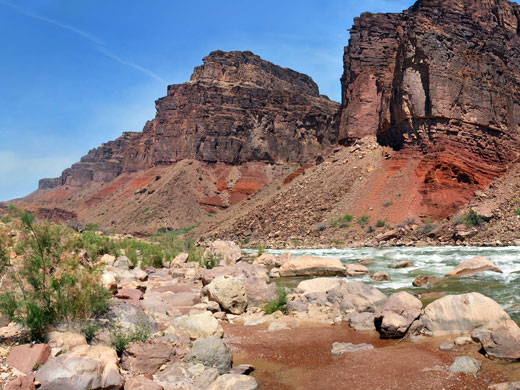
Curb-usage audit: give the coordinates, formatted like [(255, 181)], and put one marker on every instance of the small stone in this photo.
[(463, 341), (356, 270), (381, 276), (404, 264), (342, 348)]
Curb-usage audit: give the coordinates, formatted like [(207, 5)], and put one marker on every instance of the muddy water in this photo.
[(504, 288)]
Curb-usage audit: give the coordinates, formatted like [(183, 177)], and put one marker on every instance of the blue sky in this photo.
[(78, 73)]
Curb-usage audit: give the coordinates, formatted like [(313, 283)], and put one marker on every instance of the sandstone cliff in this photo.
[(238, 124), (235, 109)]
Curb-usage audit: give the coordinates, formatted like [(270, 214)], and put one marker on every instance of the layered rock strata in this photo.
[(442, 79), (236, 108)]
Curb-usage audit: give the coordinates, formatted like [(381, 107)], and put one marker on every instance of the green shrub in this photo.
[(89, 330), (277, 303), (6, 219), (388, 204), (260, 250), (346, 218), (473, 219), (371, 229), (517, 211), (51, 284), (380, 224), (363, 220), (122, 337)]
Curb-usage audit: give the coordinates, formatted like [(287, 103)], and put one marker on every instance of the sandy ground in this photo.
[(299, 359)]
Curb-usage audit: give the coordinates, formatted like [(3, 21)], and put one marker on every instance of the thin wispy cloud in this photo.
[(100, 45), (109, 54)]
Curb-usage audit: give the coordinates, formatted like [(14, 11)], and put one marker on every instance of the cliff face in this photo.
[(430, 114), (236, 108), (442, 79)]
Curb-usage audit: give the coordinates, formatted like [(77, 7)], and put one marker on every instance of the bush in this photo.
[(89, 330), (473, 219), (277, 303), (388, 204), (363, 220), (380, 224), (260, 250), (51, 284), (371, 229), (517, 212), (122, 337), (346, 218), (5, 219)]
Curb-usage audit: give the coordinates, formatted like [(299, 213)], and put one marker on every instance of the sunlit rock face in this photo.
[(441, 78)]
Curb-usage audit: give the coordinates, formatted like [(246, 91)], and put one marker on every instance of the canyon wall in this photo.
[(236, 108), (443, 79)]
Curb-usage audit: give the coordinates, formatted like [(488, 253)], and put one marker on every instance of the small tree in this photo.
[(50, 283)]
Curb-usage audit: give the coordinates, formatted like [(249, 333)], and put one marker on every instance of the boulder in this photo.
[(129, 293), (122, 263), (256, 282), (83, 368), (356, 270), (234, 382), (20, 383), (266, 259), (227, 251), (208, 275), (108, 259), (63, 341), (343, 348), (472, 266), (230, 293), (404, 264), (28, 356), (361, 321), (425, 280), (141, 383), (179, 260), (175, 376), (397, 314), (503, 342), (197, 326), (465, 364), (317, 285), (312, 266), (204, 380), (356, 296), (283, 258), (381, 276), (211, 352), (145, 357), (461, 314)]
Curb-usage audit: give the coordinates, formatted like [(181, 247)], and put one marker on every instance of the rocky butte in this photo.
[(429, 115)]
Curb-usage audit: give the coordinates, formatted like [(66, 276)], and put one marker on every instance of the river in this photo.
[(503, 288)]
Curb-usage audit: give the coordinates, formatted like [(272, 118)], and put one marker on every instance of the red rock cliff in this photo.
[(442, 79), (235, 109)]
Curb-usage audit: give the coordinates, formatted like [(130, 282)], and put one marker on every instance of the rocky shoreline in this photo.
[(200, 322)]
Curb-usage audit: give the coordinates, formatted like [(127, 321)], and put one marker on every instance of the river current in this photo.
[(503, 288)]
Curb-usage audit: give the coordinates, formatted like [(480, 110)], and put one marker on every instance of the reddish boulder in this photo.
[(145, 357), (20, 383), (26, 357), (503, 342)]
